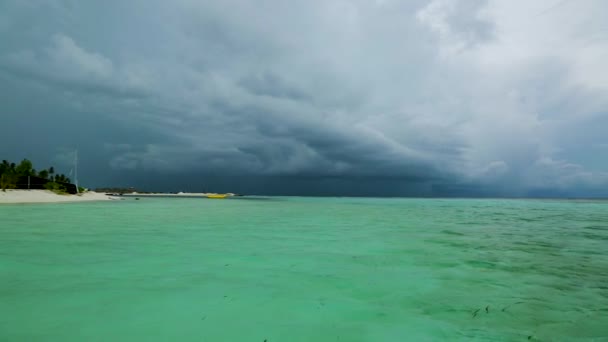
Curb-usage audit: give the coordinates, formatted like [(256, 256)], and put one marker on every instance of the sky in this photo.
[(311, 97)]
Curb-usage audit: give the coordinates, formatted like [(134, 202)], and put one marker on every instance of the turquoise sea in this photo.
[(305, 269)]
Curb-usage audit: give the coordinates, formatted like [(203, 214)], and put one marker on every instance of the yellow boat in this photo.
[(217, 196)]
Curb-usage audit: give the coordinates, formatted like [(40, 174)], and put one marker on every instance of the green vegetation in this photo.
[(57, 188), (10, 173), (7, 181)]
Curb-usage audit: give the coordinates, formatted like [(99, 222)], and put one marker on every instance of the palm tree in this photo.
[(24, 168), (61, 178), (43, 174), (4, 167)]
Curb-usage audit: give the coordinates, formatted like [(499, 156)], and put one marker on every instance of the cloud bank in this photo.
[(429, 98)]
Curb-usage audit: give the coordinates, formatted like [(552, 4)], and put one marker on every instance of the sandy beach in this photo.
[(45, 196)]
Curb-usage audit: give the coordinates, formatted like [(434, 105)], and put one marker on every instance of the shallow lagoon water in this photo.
[(305, 269)]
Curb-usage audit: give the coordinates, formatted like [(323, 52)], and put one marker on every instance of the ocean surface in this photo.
[(305, 269)]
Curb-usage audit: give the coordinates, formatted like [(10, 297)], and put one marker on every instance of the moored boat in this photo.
[(217, 196)]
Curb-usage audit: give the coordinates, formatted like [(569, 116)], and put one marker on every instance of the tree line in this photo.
[(11, 174)]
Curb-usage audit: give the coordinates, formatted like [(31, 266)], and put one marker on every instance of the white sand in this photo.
[(45, 196)]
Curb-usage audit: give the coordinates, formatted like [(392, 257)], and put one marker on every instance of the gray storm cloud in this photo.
[(442, 97)]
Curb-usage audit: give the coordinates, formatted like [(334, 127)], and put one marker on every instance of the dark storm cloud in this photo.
[(326, 97)]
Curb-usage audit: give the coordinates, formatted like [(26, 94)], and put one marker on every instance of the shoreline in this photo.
[(19, 196), (166, 195)]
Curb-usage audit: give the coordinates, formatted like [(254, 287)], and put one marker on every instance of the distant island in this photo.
[(25, 176)]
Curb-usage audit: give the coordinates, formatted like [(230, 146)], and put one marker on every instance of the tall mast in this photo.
[(76, 170)]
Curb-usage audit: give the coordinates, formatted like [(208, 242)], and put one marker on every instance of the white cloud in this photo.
[(560, 174), (68, 58)]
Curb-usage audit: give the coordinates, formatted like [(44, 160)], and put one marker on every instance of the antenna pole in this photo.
[(76, 170)]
